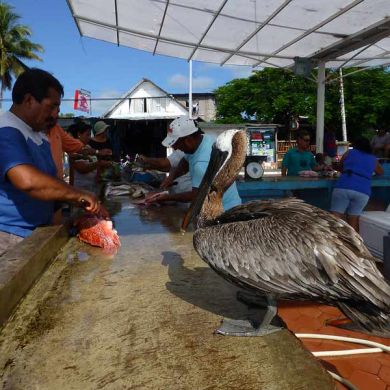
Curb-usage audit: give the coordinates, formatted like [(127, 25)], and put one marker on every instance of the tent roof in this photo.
[(244, 32)]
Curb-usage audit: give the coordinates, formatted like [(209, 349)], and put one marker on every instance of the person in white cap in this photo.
[(100, 141), (184, 135), (168, 164)]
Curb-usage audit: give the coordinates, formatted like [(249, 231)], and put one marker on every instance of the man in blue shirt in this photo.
[(299, 158), (28, 183), (184, 135)]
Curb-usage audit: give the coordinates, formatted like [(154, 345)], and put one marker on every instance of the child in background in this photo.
[(321, 162)]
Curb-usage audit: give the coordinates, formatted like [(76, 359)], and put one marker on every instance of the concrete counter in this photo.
[(143, 319)]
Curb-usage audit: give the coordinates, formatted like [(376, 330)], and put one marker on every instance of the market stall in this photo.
[(314, 190)]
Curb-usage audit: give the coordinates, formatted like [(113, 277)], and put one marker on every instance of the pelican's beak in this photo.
[(217, 159)]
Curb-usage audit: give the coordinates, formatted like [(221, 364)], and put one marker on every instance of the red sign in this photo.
[(82, 100)]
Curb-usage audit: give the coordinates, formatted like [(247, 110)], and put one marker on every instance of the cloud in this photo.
[(240, 72), (178, 80), (98, 106), (237, 71)]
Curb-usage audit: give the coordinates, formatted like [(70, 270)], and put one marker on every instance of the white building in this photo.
[(146, 101)]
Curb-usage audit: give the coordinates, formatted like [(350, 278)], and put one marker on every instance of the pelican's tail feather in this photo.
[(367, 316)]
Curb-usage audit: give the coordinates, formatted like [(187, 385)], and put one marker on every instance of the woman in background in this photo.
[(353, 189)]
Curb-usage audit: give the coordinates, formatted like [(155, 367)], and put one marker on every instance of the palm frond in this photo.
[(15, 46)]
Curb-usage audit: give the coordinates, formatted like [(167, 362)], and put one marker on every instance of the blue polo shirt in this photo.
[(20, 214), (198, 162), (295, 161)]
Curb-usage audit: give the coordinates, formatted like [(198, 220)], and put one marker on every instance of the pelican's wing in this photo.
[(289, 248)]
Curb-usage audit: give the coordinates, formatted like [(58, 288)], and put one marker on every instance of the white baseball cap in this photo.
[(179, 127)]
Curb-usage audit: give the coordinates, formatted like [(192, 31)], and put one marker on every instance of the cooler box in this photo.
[(374, 225)]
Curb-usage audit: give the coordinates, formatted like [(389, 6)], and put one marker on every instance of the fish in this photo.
[(134, 190), (97, 231)]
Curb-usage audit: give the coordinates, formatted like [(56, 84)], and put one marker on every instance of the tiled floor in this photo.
[(367, 371)]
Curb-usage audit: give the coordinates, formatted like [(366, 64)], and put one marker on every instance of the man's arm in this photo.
[(285, 164), (73, 145), (378, 168), (314, 166), (40, 186), (175, 172), (69, 143), (160, 163), (166, 197), (181, 169)]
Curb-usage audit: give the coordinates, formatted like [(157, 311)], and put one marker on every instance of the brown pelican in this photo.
[(284, 249)]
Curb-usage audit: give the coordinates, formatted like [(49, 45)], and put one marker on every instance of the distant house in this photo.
[(203, 104), (145, 101), (139, 119)]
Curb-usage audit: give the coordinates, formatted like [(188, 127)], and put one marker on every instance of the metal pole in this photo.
[(342, 106), (190, 93), (320, 107)]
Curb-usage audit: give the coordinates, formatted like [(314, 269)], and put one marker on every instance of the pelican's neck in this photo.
[(211, 209), (212, 205)]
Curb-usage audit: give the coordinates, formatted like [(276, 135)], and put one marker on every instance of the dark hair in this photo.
[(303, 133), (319, 157), (362, 144), (196, 134), (78, 128), (36, 82)]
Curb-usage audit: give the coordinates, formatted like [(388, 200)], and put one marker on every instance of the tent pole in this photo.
[(320, 107), (190, 92), (342, 106)]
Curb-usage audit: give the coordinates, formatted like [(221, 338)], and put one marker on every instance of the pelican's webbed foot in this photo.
[(244, 328), (263, 327)]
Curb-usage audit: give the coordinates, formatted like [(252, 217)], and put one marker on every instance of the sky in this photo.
[(103, 68)]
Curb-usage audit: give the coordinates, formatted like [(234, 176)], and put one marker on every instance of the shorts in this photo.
[(348, 202)]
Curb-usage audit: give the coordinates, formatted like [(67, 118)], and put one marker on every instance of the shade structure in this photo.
[(299, 34), (257, 33)]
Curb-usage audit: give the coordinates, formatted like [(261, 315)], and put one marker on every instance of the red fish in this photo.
[(96, 231)]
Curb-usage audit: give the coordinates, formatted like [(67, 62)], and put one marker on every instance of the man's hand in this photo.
[(104, 152), (166, 183), (142, 161), (89, 151), (90, 203), (104, 164), (156, 197)]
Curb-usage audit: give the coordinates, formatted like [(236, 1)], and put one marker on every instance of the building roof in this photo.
[(130, 92), (194, 94)]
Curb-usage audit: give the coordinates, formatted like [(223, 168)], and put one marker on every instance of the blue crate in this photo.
[(386, 168), (144, 177)]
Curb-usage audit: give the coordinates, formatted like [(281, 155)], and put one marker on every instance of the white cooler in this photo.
[(374, 225)]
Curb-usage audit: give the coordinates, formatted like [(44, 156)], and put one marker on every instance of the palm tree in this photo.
[(14, 46)]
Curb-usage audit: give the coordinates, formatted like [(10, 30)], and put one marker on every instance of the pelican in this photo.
[(283, 249)]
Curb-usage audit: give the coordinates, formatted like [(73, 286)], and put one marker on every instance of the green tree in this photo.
[(15, 46), (277, 96), (271, 95)]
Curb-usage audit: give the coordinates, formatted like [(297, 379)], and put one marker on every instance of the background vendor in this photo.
[(299, 158)]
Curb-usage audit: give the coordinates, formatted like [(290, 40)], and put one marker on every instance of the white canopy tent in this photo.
[(299, 34)]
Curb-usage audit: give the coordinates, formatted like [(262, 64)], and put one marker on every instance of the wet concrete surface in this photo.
[(142, 319)]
